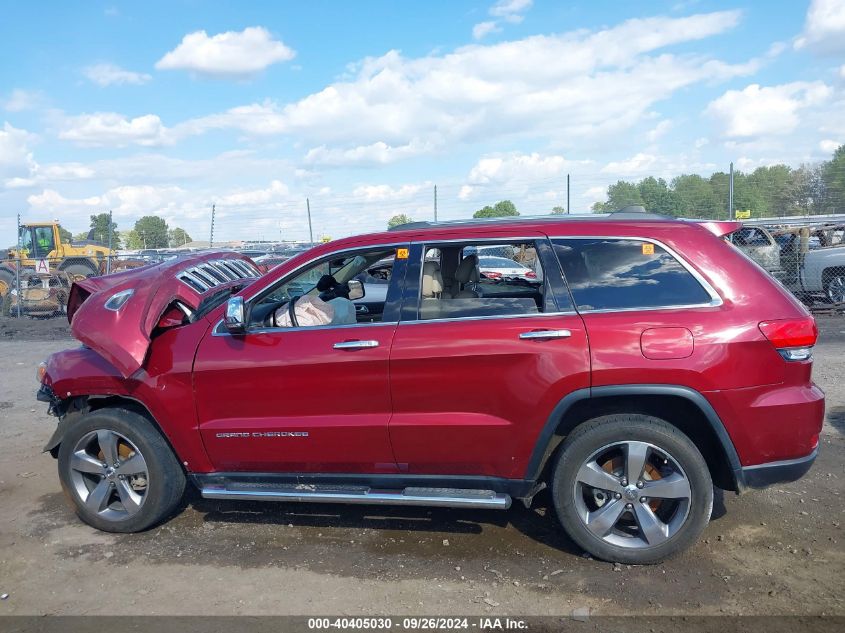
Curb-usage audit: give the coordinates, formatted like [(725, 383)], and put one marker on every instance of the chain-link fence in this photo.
[(39, 288)]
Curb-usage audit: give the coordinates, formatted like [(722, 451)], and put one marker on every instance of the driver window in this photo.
[(343, 290)]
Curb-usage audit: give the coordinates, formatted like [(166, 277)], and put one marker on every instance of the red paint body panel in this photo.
[(295, 381), (470, 397)]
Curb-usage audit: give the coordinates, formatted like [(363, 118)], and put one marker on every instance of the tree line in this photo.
[(776, 190), (149, 231), (772, 191)]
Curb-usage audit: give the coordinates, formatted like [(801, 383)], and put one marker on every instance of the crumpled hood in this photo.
[(121, 331)]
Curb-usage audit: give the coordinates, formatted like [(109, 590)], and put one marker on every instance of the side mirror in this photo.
[(356, 289), (235, 318)]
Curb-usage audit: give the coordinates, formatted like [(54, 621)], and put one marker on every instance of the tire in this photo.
[(834, 286), (136, 495), (7, 282), (642, 532), (77, 271)]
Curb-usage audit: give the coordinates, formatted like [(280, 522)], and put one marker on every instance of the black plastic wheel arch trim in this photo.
[(545, 442), (780, 472)]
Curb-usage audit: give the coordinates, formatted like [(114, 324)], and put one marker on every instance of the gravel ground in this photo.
[(778, 551)]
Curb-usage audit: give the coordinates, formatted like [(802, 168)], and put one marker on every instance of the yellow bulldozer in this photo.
[(42, 241)]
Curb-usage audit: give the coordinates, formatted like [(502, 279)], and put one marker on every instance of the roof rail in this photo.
[(631, 212)]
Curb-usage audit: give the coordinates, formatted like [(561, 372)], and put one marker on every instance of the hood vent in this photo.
[(207, 275)]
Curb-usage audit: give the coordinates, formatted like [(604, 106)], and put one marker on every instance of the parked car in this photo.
[(462, 392), (504, 268), (818, 271)]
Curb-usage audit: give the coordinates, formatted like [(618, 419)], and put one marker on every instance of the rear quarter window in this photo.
[(619, 274)]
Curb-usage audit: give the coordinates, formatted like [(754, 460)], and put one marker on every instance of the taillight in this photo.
[(531, 274), (491, 275), (793, 338)]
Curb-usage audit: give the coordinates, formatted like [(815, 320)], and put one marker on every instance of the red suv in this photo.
[(644, 361)]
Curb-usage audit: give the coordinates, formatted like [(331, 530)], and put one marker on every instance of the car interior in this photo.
[(452, 285)]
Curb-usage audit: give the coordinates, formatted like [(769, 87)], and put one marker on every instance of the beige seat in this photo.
[(432, 287), (466, 276)]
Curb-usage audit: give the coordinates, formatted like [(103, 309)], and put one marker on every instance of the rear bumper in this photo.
[(764, 475)]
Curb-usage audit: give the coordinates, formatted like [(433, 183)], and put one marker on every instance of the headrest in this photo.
[(467, 270), (432, 280)]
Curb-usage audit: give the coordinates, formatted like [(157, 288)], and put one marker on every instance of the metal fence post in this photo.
[(18, 270), (108, 257)]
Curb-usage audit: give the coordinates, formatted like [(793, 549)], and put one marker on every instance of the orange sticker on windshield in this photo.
[(401, 253), (648, 249)]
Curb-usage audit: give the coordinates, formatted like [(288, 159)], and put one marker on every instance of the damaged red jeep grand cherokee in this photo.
[(645, 361)]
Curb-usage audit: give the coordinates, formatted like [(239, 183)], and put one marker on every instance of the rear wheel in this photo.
[(631, 488), (7, 282), (119, 472)]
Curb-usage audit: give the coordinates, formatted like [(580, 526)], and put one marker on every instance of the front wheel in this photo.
[(631, 488), (119, 472)]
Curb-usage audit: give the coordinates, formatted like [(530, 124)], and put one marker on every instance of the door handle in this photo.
[(544, 334), (355, 344)]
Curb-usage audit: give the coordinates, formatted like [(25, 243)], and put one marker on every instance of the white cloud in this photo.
[(378, 153), (113, 129), (658, 131), (510, 10), (277, 190), (386, 192), (15, 156), (20, 100), (828, 146), (567, 88), (842, 71), (237, 54), (639, 164), (482, 29), (767, 110), (824, 28), (111, 74)]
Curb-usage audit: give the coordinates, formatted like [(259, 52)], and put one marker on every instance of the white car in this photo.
[(504, 268)]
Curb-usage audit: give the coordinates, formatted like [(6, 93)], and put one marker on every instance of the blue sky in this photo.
[(168, 107)]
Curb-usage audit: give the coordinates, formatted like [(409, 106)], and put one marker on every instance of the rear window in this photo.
[(618, 274)]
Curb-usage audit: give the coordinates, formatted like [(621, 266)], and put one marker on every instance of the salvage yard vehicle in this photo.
[(42, 294), (456, 391)]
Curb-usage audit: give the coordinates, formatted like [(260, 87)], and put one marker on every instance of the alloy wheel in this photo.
[(836, 289), (109, 474), (632, 495)]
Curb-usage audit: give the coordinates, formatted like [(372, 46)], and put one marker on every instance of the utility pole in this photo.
[(568, 210), (731, 195), (211, 238), (435, 203), (310, 231), (108, 257), (18, 268)]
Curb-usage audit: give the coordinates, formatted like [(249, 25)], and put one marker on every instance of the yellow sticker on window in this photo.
[(401, 253), (648, 249)]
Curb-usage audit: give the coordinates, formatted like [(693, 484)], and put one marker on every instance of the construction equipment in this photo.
[(42, 241)]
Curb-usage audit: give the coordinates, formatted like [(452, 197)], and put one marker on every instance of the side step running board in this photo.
[(441, 497)]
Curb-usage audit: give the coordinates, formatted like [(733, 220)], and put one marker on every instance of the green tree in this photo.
[(656, 196), (64, 235), (503, 208), (695, 197), (620, 195), (558, 211), (396, 220), (100, 230), (833, 177), (178, 237), (152, 231), (80, 237)]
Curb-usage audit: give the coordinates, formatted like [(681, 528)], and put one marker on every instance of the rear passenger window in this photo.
[(618, 274), (482, 280)]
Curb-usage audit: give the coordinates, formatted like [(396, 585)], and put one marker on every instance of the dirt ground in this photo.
[(778, 551)]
